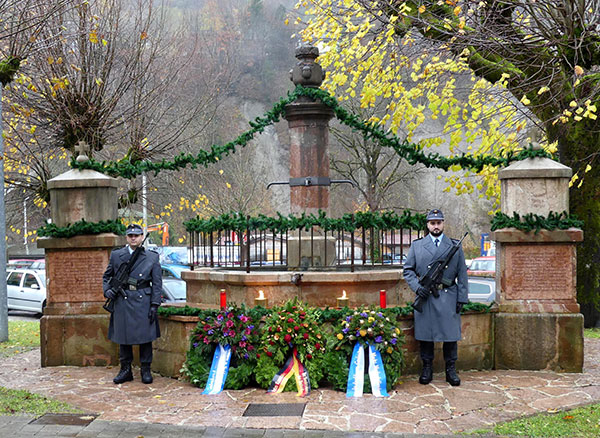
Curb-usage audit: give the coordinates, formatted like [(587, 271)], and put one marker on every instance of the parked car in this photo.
[(173, 271), (483, 267), (482, 290), (26, 290), (174, 290)]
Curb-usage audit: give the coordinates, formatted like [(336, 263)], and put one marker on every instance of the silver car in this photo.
[(26, 290), (482, 290)]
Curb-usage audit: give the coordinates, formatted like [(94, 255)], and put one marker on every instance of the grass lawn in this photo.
[(24, 336)]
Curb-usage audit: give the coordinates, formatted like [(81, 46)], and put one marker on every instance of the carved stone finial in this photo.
[(536, 135), (82, 149), (307, 72)]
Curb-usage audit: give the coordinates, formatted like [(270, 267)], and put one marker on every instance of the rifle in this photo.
[(434, 277), (120, 279)]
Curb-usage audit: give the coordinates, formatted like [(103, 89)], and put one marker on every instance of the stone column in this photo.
[(74, 326), (308, 123), (538, 325)]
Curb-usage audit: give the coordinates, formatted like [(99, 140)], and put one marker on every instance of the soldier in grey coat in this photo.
[(134, 320), (440, 319)]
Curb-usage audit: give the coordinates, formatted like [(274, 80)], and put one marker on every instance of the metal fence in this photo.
[(256, 250)]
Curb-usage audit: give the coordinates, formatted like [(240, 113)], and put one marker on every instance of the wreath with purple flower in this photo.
[(231, 326), (365, 325)]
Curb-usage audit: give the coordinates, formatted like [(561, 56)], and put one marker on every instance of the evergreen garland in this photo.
[(530, 221), (280, 224), (411, 152), (82, 227), (326, 315)]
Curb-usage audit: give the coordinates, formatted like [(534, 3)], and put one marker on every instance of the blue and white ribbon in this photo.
[(377, 373), (356, 375), (218, 370)]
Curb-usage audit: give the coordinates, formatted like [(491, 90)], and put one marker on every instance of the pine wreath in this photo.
[(290, 326), (231, 326), (364, 325)]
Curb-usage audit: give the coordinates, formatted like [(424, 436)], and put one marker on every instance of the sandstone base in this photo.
[(539, 341), (319, 289), (77, 340), (475, 349), (171, 348)]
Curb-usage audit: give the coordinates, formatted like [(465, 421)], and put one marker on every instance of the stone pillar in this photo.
[(308, 123), (74, 326), (538, 325)]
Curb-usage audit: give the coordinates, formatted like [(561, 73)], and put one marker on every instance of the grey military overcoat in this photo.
[(439, 321), (129, 323)]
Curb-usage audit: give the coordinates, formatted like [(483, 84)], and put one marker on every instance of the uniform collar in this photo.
[(440, 238)]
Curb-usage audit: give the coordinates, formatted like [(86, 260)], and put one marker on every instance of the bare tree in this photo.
[(378, 173)]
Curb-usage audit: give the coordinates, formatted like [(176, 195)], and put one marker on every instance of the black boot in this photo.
[(451, 376), (426, 373), (125, 375), (146, 374)]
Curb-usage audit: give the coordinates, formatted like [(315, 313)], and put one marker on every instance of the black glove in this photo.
[(422, 292), (152, 313), (459, 307), (111, 294)]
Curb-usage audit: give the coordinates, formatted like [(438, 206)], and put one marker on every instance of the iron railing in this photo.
[(258, 249)]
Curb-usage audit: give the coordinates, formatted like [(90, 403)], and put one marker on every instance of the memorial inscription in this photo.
[(539, 272)]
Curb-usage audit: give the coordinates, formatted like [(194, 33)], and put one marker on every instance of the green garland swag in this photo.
[(530, 221), (326, 315), (348, 222), (411, 152), (82, 227), (365, 325), (291, 325), (231, 326)]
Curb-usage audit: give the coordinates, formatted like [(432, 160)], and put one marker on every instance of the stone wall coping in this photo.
[(268, 278), (76, 178), (535, 168), (180, 318), (102, 240), (513, 235)]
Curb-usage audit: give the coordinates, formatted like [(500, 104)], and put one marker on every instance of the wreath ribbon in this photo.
[(356, 375), (292, 366), (218, 370)]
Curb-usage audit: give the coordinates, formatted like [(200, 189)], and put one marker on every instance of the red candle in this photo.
[(223, 298), (382, 299)]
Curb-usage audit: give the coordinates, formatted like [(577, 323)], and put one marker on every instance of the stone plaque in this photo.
[(539, 272)]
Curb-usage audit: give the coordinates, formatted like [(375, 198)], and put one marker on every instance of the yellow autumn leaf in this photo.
[(524, 100), (543, 90), (578, 70), (422, 9), (143, 35), (588, 168), (93, 37), (457, 10)]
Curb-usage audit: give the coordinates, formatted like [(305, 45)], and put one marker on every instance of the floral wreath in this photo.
[(290, 326), (231, 326), (364, 325)]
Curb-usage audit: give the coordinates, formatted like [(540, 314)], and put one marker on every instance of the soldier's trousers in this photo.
[(126, 353), (450, 351)]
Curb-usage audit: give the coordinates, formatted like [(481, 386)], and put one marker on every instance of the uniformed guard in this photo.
[(134, 320), (440, 319)]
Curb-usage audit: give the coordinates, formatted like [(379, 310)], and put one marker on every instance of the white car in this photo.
[(26, 290)]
